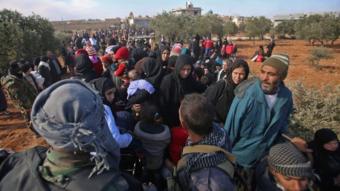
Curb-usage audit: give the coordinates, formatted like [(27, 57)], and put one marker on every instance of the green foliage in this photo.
[(184, 26), (258, 27), (318, 53), (24, 37), (319, 28), (166, 24), (315, 109), (230, 28), (63, 37), (242, 27), (208, 24), (11, 40), (285, 28)]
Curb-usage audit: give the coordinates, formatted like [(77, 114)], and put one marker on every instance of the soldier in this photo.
[(19, 90), (82, 154)]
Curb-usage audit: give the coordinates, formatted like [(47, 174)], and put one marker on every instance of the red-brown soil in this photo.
[(300, 68), (14, 135)]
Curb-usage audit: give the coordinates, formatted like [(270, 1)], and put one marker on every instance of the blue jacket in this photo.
[(251, 125)]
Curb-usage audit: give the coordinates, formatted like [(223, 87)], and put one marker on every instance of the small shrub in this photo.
[(318, 53), (315, 109)]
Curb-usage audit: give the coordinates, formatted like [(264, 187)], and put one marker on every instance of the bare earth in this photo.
[(14, 134)]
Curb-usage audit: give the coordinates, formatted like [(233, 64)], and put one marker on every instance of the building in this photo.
[(188, 10), (91, 24), (238, 20), (139, 22), (277, 19)]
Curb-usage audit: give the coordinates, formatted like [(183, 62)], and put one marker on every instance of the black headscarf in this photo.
[(83, 63), (159, 57), (174, 88), (138, 53), (236, 64), (323, 136), (326, 163), (184, 85), (169, 65), (84, 67), (14, 69), (152, 71), (101, 85), (221, 94)]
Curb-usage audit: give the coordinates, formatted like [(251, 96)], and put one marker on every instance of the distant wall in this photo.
[(83, 25)]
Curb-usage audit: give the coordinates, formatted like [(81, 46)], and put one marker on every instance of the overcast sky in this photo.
[(99, 9)]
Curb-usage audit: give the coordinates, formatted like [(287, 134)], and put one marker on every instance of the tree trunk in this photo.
[(332, 42), (322, 43)]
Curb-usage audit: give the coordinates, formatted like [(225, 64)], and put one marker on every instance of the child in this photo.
[(258, 55), (155, 137), (138, 84), (106, 90)]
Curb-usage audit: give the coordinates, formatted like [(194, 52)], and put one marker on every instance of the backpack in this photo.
[(230, 49), (227, 166), (260, 58)]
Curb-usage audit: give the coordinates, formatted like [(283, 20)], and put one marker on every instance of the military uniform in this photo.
[(28, 171), (74, 128), (20, 91)]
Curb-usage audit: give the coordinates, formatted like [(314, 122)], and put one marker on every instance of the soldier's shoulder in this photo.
[(9, 81)]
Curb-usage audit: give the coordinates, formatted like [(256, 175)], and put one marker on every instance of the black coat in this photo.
[(56, 70), (3, 102), (44, 71), (151, 71), (173, 89), (221, 95), (84, 68), (20, 172), (327, 166)]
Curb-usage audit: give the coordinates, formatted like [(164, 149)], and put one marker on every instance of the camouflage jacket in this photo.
[(19, 90), (23, 171)]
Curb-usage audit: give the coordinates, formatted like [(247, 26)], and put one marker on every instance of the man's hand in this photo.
[(136, 108), (301, 144)]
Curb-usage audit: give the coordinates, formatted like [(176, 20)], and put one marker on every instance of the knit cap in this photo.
[(280, 62), (176, 49), (122, 53), (106, 59), (287, 160)]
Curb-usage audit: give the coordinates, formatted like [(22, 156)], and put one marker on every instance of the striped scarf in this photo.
[(196, 161)]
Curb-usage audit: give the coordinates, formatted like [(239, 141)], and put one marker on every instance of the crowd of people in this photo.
[(140, 115)]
